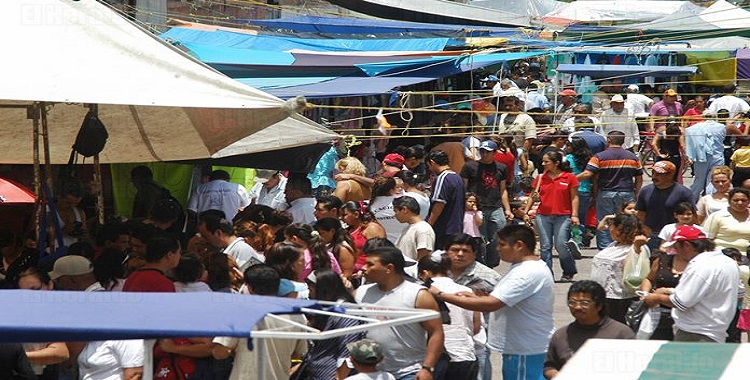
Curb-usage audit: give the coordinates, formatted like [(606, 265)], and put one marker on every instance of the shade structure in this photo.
[(629, 71), (157, 103), (11, 192)]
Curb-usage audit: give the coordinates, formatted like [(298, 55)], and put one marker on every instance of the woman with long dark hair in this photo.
[(317, 255), (558, 210), (669, 144), (362, 226), (339, 242)]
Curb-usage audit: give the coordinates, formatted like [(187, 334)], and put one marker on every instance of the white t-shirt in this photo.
[(524, 326), (708, 205), (274, 198), (382, 208), (415, 237), (639, 104), (667, 231), (607, 269), (219, 195), (459, 341), (105, 360), (523, 127), (705, 300), (377, 375), (242, 252), (181, 287), (730, 103), (423, 201), (302, 210)]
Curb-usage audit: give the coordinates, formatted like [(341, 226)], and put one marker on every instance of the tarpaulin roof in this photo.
[(157, 103), (380, 78), (721, 14), (60, 316), (630, 71), (273, 43)]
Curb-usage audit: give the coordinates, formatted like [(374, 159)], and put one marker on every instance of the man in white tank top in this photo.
[(408, 350)]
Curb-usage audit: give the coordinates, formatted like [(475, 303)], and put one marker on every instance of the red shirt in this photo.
[(148, 280), (555, 194), (509, 160)]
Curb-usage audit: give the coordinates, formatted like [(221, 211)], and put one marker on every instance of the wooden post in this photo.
[(33, 113), (45, 140), (97, 185)]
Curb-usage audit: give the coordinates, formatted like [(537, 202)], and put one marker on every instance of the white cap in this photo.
[(617, 99), (633, 88)]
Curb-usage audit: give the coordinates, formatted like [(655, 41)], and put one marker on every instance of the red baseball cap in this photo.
[(685, 233), (394, 159), (567, 92)]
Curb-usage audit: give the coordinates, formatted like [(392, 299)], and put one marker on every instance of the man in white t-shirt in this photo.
[(520, 306), (705, 301), (300, 199), (639, 104), (268, 189), (219, 194), (417, 240), (215, 228), (729, 102)]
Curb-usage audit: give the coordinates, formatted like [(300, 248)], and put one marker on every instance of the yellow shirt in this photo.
[(741, 157)]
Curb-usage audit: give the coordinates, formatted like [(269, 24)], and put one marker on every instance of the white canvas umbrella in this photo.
[(157, 103)]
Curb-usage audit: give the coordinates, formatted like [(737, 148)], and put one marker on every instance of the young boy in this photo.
[(741, 161), (365, 354)]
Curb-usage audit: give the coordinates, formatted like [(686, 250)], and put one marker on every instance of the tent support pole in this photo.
[(33, 113), (45, 141), (98, 189)]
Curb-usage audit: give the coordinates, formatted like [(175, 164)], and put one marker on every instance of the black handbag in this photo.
[(635, 313)]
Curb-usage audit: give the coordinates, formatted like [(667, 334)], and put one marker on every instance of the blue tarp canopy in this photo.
[(342, 86), (630, 71), (60, 316), (272, 43)]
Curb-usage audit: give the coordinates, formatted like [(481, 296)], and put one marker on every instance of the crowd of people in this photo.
[(426, 229)]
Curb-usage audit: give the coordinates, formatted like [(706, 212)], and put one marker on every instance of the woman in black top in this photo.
[(669, 145), (666, 271)]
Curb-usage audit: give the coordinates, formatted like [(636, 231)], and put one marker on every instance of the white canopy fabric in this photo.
[(157, 103), (720, 15), (616, 11)]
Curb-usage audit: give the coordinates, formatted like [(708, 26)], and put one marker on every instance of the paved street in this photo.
[(561, 313)]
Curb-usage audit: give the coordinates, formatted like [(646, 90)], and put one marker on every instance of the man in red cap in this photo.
[(392, 164), (704, 302), (566, 102)]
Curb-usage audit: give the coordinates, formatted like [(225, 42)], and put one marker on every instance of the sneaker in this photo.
[(574, 249), (566, 278)]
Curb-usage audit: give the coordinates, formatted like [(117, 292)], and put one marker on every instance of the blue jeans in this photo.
[(494, 220), (555, 230), (523, 367), (608, 203), (702, 179), (584, 202)]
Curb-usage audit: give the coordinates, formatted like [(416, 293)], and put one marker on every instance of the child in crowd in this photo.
[(365, 354), (738, 324), (516, 208), (625, 208), (743, 323), (741, 161), (685, 214), (473, 218)]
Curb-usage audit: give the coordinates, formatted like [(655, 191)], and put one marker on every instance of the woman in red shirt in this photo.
[(558, 210)]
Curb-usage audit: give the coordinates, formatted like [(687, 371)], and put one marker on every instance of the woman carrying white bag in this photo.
[(608, 267)]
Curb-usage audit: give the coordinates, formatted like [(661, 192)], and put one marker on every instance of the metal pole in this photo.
[(98, 178), (33, 113)]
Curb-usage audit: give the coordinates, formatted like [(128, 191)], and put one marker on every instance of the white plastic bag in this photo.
[(648, 323)]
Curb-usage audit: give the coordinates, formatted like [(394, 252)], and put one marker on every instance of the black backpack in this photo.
[(91, 137)]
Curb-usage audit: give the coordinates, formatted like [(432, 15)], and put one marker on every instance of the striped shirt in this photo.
[(616, 168)]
